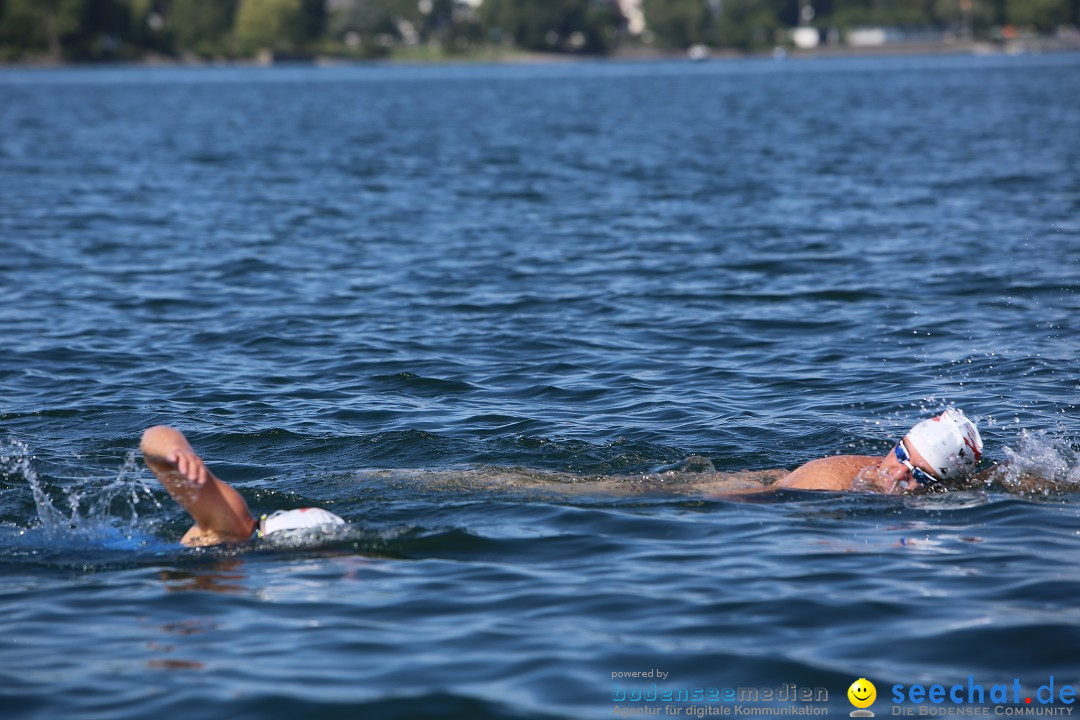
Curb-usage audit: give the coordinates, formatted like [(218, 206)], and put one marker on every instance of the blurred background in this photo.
[(306, 30)]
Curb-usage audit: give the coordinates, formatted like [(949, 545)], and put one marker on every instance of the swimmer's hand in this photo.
[(169, 453), (190, 466)]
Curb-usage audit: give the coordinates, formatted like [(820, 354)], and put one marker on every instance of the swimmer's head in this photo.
[(950, 443)]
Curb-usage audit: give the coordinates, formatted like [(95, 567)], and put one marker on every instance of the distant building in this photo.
[(867, 37), (806, 37)]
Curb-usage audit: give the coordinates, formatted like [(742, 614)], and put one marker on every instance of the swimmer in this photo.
[(944, 448), (220, 513)]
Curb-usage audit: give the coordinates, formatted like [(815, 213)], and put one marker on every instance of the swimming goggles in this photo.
[(917, 473)]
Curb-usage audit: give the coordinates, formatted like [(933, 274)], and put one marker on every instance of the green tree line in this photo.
[(91, 30), (754, 23)]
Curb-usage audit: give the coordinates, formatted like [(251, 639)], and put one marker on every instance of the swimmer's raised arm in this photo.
[(220, 513)]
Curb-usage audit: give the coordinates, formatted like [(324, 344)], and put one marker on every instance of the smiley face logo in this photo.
[(862, 693)]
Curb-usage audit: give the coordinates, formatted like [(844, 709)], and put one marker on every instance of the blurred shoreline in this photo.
[(424, 56)]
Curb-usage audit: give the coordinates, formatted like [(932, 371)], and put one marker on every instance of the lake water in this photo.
[(475, 310)]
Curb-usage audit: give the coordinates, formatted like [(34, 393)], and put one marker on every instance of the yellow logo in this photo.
[(862, 694)]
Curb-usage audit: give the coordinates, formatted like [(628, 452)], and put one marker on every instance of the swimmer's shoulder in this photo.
[(831, 473)]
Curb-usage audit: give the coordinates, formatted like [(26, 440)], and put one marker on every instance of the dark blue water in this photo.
[(475, 310)]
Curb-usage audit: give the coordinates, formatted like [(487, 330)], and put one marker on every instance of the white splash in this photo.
[(95, 506), (1038, 455)]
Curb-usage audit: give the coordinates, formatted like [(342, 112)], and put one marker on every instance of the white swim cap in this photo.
[(301, 519), (949, 442)]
